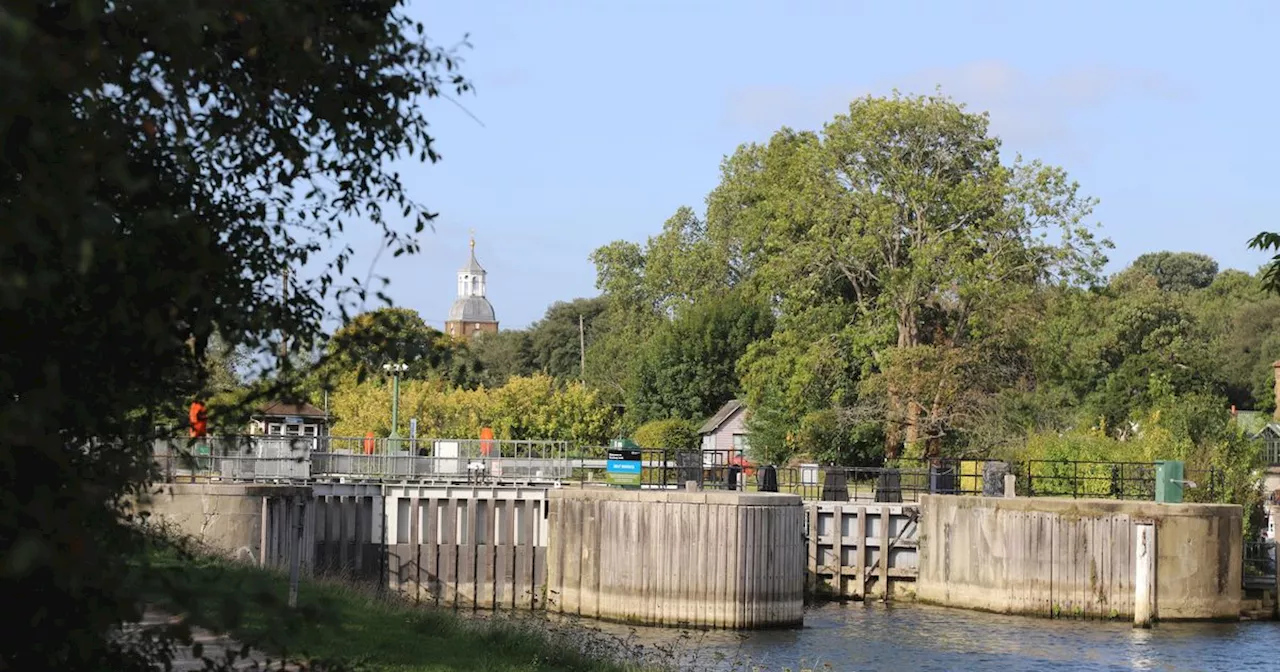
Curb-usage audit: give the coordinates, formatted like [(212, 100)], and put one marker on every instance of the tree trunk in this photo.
[(905, 410)]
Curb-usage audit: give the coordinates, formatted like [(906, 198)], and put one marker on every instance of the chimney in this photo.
[(1276, 367)]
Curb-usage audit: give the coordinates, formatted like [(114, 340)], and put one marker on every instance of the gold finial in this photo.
[(473, 239)]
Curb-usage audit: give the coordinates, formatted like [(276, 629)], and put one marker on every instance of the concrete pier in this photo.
[(1068, 557), (689, 559)]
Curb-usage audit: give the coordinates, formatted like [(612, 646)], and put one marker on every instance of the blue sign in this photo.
[(623, 467), (620, 467)]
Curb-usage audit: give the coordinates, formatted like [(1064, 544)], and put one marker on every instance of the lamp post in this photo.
[(395, 370)]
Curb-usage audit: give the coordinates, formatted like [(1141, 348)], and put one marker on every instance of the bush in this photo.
[(673, 433)]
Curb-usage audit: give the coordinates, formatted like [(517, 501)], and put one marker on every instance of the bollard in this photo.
[(1144, 570), (1010, 482)]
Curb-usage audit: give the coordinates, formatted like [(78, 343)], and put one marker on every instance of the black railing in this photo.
[(904, 480), (1109, 480), (892, 481), (1260, 558)]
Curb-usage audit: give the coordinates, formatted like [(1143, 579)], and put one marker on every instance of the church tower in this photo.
[(471, 312)]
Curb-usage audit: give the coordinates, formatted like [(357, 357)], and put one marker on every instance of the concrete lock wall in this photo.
[(229, 518), (347, 530), (467, 546), (696, 559), (1065, 557)]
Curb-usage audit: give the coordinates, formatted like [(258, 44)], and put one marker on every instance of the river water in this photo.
[(909, 637)]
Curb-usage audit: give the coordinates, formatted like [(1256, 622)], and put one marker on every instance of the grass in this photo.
[(352, 626)]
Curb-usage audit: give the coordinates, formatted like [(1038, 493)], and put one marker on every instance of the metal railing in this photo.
[(1260, 558), (892, 481), (475, 460), (292, 458), (236, 458), (281, 458), (1108, 480)]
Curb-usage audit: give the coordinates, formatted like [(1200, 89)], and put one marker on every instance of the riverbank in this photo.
[(353, 626)]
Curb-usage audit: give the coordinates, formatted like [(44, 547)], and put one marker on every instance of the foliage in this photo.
[(534, 407), (687, 367), (672, 433), (903, 268), (501, 355), (347, 626), (1191, 428), (369, 341), (554, 340), (1269, 240), (161, 170), (1178, 271)]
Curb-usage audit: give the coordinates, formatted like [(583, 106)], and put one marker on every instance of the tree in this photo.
[(1269, 240), (688, 368), (555, 339), (160, 170), (1178, 271), (502, 355), (903, 211), (669, 434), (390, 335)]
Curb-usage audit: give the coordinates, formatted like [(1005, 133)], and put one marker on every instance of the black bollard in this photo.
[(835, 486), (768, 479), (889, 487)]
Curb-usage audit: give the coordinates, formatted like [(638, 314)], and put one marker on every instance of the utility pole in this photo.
[(582, 350)]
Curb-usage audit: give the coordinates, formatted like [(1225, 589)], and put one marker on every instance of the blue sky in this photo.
[(598, 119)]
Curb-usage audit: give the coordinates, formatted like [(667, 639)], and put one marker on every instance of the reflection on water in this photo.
[(872, 636)]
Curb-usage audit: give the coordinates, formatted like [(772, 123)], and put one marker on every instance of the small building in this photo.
[(471, 312), (282, 419), (724, 435)]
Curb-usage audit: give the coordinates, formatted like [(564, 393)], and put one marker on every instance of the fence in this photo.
[(425, 459), (236, 458), (897, 480), (1259, 558), (1108, 480), (278, 458)]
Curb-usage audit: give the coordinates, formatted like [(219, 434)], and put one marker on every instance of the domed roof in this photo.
[(472, 309)]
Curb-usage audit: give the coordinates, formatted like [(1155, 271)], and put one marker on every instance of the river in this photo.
[(912, 638)]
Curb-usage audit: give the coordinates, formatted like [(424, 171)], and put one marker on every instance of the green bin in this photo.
[(1169, 479)]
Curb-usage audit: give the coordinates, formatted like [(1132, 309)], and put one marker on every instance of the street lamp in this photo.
[(395, 370)]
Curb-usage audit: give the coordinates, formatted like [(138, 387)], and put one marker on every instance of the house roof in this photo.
[(303, 410), (1271, 429), (722, 416)]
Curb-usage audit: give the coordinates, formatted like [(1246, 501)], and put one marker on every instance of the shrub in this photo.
[(672, 433)]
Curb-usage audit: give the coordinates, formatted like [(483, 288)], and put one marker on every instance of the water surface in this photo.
[(910, 637)]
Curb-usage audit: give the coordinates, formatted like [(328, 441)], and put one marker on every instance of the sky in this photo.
[(595, 121)]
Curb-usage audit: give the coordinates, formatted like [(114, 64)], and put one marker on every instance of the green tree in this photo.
[(903, 211), (1178, 271), (399, 335), (502, 355), (672, 433), (688, 368), (555, 339), (160, 168)]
